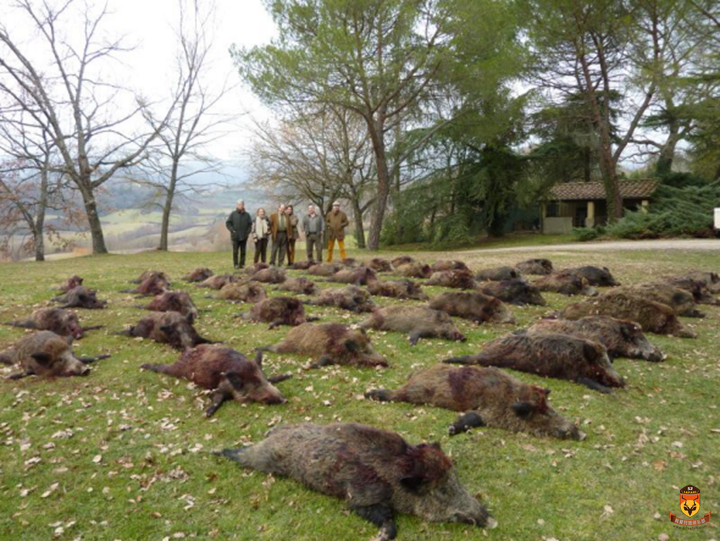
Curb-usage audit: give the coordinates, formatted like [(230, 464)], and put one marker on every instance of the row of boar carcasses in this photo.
[(376, 471)]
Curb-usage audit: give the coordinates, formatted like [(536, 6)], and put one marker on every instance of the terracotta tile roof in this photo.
[(582, 191)]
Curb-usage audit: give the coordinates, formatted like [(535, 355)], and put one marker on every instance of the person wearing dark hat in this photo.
[(239, 223), (313, 227), (335, 222)]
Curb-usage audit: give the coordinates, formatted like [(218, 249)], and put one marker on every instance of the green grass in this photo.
[(155, 475)]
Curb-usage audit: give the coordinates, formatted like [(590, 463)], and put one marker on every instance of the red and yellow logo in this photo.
[(690, 506)]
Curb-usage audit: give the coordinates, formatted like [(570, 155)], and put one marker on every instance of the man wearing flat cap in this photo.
[(335, 223), (239, 223)]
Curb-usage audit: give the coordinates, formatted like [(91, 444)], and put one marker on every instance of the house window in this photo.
[(553, 209)]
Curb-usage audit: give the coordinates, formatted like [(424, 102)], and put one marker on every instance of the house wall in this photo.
[(557, 226)]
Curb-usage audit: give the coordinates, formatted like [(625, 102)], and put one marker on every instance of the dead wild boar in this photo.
[(360, 276), (621, 337), (472, 305), (252, 269), (278, 311), (448, 265), (517, 292), (198, 275), (485, 397), (45, 353), (350, 298), (680, 300), (379, 264), (697, 288), (710, 279), (226, 372), (251, 292), (397, 289), (402, 260), (272, 275), (302, 265), (457, 279), (596, 276), (535, 266), (565, 283), (377, 473), (154, 284), (350, 263), (58, 320), (414, 269), (219, 281), (652, 316), (497, 274), (174, 301), (160, 275), (324, 269), (170, 328), (300, 285), (550, 355), (71, 283), (416, 321), (81, 297), (330, 343)]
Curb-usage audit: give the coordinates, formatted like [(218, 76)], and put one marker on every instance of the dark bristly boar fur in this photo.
[(198, 275), (272, 275), (457, 279), (414, 269), (359, 276), (596, 276), (449, 264), (45, 353), (517, 292), (710, 279), (535, 266), (71, 283), (379, 264), (498, 274), (416, 321), (550, 355), (302, 265), (243, 292), (174, 301), (252, 269), (565, 283), (154, 284), (678, 299), (170, 328), (330, 343), (151, 274), (402, 260), (324, 269), (697, 288), (350, 263), (495, 398), (377, 473), (81, 297), (652, 316), (300, 285), (621, 337), (226, 372), (278, 311), (398, 289), (58, 320), (350, 298), (219, 281), (472, 305)]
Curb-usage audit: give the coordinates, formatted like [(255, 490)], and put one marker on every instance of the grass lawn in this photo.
[(125, 454)]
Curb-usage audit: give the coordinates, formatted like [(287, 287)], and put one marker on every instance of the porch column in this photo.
[(644, 204), (590, 219)]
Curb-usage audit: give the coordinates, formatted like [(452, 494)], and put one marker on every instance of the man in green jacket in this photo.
[(335, 223), (239, 223)]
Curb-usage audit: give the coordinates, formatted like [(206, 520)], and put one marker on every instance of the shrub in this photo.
[(584, 234)]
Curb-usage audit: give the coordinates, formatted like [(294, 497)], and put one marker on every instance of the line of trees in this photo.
[(67, 127), (470, 108)]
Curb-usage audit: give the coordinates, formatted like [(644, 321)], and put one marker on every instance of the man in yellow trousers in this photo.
[(335, 223)]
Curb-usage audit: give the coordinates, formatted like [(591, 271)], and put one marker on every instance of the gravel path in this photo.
[(669, 244)]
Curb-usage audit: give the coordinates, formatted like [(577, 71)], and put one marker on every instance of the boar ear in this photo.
[(42, 358), (547, 392), (589, 351), (189, 317), (413, 483), (522, 409), (235, 380), (625, 331)]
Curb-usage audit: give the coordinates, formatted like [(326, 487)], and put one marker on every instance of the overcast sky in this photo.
[(148, 26)]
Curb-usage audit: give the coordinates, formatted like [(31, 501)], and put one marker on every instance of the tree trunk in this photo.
[(96, 231), (359, 229), (667, 152), (383, 189), (39, 242), (167, 209)]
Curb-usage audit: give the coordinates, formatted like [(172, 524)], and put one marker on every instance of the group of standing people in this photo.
[(283, 229)]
